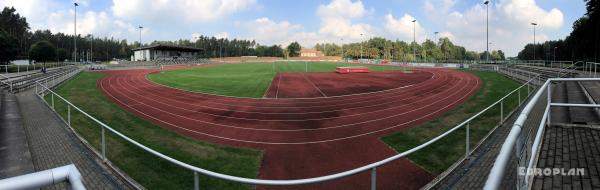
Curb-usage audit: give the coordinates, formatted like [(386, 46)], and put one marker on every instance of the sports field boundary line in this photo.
[(269, 88), (313, 84)]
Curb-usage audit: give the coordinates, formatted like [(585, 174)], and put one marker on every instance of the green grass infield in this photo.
[(245, 79)]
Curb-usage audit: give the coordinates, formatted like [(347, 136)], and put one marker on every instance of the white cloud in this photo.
[(342, 8), (404, 28), (336, 20), (509, 25), (175, 10), (267, 31), (36, 11)]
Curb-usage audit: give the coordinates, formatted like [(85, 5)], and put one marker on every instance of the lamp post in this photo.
[(534, 25), (91, 48), (554, 60), (342, 49), (361, 46), (75, 33), (140, 27), (487, 48), (414, 38)]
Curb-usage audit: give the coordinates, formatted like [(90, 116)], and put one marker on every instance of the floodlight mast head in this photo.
[(486, 2), (533, 23)]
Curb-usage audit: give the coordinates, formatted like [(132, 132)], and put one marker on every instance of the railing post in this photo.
[(519, 96), (103, 145), (467, 140), (549, 101), (52, 95), (501, 110), (69, 115), (196, 181), (373, 178)]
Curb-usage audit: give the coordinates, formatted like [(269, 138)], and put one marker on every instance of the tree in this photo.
[(42, 51), (8, 48), (294, 49)]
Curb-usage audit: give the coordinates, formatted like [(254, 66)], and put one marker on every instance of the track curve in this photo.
[(303, 137)]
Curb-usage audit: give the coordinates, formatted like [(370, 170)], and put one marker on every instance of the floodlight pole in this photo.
[(75, 33), (140, 27), (487, 32), (554, 55), (342, 49), (361, 46), (92, 48), (534, 24), (414, 38)]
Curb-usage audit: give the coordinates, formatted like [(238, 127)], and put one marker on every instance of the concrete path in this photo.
[(15, 158), (51, 145)]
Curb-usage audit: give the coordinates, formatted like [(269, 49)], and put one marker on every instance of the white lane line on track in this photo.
[(249, 98), (292, 143), (126, 88), (347, 101), (282, 130)]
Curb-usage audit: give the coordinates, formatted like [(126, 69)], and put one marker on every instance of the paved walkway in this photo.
[(473, 173), (15, 158), (570, 148), (51, 145)]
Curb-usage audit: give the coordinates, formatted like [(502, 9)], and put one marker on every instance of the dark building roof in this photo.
[(168, 47)]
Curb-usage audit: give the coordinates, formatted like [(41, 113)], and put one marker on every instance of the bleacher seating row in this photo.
[(22, 83)]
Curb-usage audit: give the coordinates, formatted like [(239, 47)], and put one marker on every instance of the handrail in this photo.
[(497, 172), (43, 178), (195, 169)]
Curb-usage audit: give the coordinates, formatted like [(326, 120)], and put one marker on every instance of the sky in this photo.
[(311, 21)]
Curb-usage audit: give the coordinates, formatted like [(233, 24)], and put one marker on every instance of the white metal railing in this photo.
[(501, 163), (590, 69), (68, 173), (44, 90)]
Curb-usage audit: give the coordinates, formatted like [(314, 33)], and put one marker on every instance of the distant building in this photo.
[(164, 52), (308, 52)]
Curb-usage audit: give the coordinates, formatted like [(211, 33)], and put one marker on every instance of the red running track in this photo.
[(307, 137)]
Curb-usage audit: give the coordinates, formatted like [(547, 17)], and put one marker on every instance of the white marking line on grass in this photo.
[(289, 143), (268, 89), (278, 82), (313, 84)]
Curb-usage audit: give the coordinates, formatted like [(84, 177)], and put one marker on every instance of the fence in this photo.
[(6, 69), (43, 89), (526, 135)]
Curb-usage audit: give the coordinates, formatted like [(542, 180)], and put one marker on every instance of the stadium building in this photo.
[(164, 52)]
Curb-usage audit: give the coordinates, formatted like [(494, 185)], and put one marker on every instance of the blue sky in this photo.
[(310, 22)]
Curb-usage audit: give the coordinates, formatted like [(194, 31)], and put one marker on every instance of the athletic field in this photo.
[(243, 80)]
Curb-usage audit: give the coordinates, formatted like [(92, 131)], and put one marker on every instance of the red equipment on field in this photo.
[(352, 69)]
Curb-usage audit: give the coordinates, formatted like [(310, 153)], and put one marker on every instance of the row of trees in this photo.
[(16, 42), (582, 44), (380, 48)]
